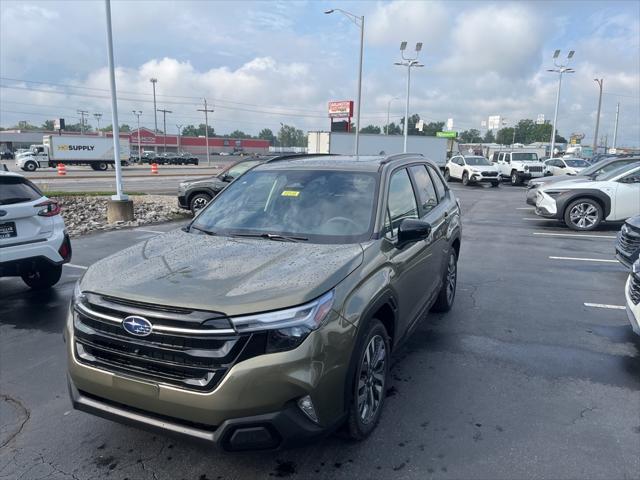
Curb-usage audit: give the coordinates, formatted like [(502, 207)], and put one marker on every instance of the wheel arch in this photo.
[(596, 195)]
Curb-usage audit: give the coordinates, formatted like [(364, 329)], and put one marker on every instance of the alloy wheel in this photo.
[(583, 215), (199, 203), (371, 380)]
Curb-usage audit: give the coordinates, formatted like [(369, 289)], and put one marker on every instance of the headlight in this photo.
[(526, 168), (554, 193), (78, 296)]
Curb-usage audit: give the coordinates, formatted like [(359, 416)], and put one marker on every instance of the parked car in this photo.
[(584, 204), (564, 166), (471, 169), (271, 318), (186, 158), (628, 242), (33, 239), (194, 195), (6, 155), (632, 295), (519, 166), (603, 166)]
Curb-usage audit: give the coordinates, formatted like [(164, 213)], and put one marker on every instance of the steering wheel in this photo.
[(344, 220)]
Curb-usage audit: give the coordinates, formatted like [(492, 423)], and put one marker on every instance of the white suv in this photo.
[(583, 203), (33, 241), (471, 169), (564, 166)]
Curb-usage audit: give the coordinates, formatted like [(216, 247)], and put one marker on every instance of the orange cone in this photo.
[(62, 170), (154, 168)]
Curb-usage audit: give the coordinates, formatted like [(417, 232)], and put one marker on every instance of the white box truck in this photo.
[(96, 152)]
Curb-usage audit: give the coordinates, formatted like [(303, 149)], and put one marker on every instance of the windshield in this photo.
[(602, 166), (239, 168), (321, 206), (477, 161), (576, 163), (524, 157), (617, 171)]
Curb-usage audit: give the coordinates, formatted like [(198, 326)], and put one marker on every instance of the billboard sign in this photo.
[(540, 119), (494, 123), (58, 124), (450, 124), (342, 109)]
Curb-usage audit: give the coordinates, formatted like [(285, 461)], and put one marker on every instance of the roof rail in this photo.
[(298, 155), (399, 156)]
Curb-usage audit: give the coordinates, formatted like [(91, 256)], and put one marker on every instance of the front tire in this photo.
[(30, 167), (515, 178), (44, 276), (369, 382), (447, 294), (447, 174), (198, 202), (465, 178), (583, 215)]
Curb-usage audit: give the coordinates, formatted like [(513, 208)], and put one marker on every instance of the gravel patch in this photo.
[(85, 214)]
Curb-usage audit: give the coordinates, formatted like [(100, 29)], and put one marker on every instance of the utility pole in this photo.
[(137, 113), (164, 126), (615, 128), (179, 127), (560, 70), (98, 116), (595, 135), (83, 113), (206, 128)]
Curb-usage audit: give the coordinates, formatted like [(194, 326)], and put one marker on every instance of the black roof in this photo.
[(365, 163)]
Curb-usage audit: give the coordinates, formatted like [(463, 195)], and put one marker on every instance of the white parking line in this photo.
[(540, 219), (573, 235), (525, 208), (73, 265), (148, 231), (585, 259), (604, 305)]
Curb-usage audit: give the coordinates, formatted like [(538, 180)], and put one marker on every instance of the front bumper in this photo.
[(182, 201), (532, 194), (546, 206), (258, 394), (633, 310), (479, 178)]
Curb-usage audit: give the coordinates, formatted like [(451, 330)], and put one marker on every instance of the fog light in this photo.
[(306, 405)]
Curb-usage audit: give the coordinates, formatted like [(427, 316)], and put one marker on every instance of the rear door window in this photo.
[(426, 190), (437, 181), (17, 190)]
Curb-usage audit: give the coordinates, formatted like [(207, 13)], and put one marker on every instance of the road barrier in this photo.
[(62, 170), (154, 168)]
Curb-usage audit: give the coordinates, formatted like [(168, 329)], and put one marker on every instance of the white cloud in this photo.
[(413, 21)]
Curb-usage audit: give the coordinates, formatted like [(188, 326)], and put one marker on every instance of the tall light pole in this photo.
[(119, 196), (409, 63), (615, 128), (358, 21), (206, 128), (560, 70), (599, 81), (98, 116), (83, 113), (155, 115), (164, 126), (388, 113), (137, 113), (179, 127)]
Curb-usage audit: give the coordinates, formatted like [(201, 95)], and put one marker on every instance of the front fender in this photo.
[(569, 196)]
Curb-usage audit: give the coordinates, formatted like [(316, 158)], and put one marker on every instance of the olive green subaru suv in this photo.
[(270, 319)]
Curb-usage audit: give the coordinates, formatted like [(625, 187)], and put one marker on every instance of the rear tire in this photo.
[(44, 276), (101, 166), (369, 382), (447, 294), (447, 174)]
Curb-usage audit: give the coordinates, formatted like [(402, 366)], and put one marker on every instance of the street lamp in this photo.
[(358, 21), (560, 70), (179, 127), (388, 110), (155, 115), (137, 113), (409, 63), (600, 82), (98, 116)]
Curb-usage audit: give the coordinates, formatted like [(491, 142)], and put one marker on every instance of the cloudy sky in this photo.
[(262, 63)]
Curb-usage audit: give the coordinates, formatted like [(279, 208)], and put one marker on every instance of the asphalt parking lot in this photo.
[(534, 373)]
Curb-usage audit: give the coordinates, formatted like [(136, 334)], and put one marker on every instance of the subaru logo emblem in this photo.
[(138, 326), (3, 213)]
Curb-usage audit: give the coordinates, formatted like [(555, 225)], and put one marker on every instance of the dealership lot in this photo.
[(534, 373)]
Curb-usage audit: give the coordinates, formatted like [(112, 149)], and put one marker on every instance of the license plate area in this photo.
[(8, 230)]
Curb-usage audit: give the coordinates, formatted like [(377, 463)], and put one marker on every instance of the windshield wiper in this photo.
[(203, 230), (272, 236), (11, 200)]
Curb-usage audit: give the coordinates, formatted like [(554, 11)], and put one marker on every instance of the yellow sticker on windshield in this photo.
[(290, 193)]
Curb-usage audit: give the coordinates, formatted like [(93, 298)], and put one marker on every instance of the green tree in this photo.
[(489, 137), (504, 136), (267, 134), (48, 125), (76, 127), (525, 131), (109, 128), (393, 129), (290, 136), (238, 134), (24, 125), (370, 129), (191, 131), (470, 136)]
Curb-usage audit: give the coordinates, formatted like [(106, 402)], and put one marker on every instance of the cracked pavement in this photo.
[(519, 380)]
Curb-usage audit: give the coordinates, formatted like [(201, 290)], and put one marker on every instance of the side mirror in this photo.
[(412, 230), (227, 178)]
